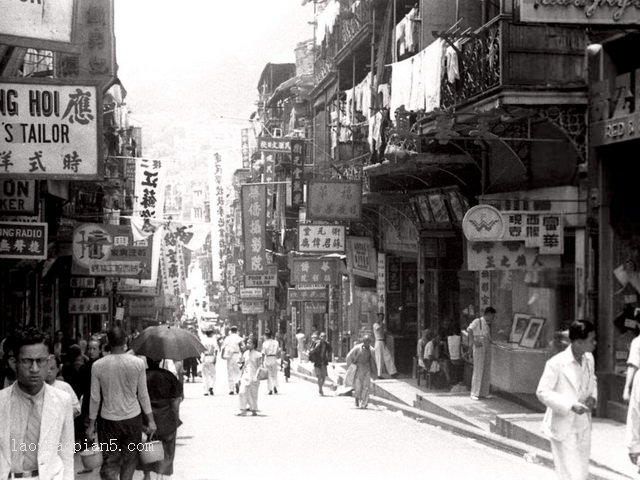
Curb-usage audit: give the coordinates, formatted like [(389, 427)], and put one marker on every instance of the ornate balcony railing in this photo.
[(479, 61), (350, 23)]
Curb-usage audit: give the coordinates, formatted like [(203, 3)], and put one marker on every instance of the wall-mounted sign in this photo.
[(586, 12), (543, 230), (252, 306), (251, 292), (17, 197), (36, 24), (315, 307), (23, 240), (297, 171), (318, 271), (507, 256), (484, 289), (274, 145), (109, 250), (83, 282), (381, 282), (334, 200), (50, 131), (483, 223), (321, 238), (88, 305), (268, 279), (361, 257), (254, 202), (307, 294)]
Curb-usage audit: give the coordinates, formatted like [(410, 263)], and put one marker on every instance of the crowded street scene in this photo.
[(319, 239)]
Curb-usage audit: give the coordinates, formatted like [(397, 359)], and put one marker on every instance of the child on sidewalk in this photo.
[(285, 364)]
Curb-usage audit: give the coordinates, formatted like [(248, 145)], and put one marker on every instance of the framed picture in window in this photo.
[(531, 334), (518, 326)]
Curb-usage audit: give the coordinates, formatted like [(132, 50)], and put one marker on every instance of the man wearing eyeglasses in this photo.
[(37, 417)]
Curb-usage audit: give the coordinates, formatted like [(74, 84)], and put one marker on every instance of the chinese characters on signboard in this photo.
[(49, 131), (381, 282), (172, 265), (23, 240), (274, 145), (31, 20), (252, 306), (109, 250), (395, 274), (297, 171), (254, 200), (584, 12), (246, 154), (149, 192), (537, 229), (507, 256), (484, 289), (334, 200), (251, 292), (361, 257), (321, 238), (318, 271), (88, 305), (308, 294)]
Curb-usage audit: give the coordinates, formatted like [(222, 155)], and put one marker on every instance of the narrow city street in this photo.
[(299, 434)]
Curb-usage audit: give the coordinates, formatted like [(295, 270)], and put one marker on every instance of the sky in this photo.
[(195, 59)]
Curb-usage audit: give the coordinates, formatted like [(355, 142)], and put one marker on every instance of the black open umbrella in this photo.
[(167, 342)]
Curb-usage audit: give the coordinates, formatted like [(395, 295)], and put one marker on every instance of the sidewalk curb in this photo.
[(493, 440)]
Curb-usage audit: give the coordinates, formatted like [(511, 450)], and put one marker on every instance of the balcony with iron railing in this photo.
[(503, 54)]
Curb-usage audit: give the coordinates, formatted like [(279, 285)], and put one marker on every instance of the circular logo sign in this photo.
[(231, 289), (483, 223), (91, 244)]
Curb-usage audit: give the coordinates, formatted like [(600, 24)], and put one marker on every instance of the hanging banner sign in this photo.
[(254, 201), (543, 230), (318, 271), (34, 25), (149, 189), (361, 257), (50, 131), (321, 238), (172, 268), (251, 292), (315, 307), (484, 289), (334, 200), (109, 250), (305, 295), (297, 171), (17, 197), (381, 282), (269, 279), (88, 305), (244, 143), (274, 145), (584, 12), (23, 240), (507, 256), (252, 307)]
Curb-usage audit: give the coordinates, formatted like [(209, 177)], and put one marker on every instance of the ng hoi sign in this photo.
[(594, 12), (49, 131), (318, 271), (334, 200)]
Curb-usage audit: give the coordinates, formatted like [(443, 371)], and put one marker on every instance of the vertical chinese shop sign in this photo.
[(297, 170), (254, 201)]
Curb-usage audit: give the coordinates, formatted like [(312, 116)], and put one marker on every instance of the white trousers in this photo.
[(208, 373), (233, 371), (571, 455), (633, 417), (384, 359), (271, 364), (249, 395)]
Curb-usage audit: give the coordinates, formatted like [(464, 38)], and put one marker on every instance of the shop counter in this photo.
[(516, 369)]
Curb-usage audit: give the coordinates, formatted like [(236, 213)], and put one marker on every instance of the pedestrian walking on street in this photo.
[(165, 393), (231, 350), (249, 384), (384, 359), (480, 330), (119, 394), (52, 379), (320, 355), (33, 413), (270, 355), (209, 359), (363, 357), (568, 388), (8, 376), (300, 338), (285, 365), (631, 395), (191, 368), (94, 352)]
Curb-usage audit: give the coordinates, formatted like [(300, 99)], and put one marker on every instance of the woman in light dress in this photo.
[(249, 384)]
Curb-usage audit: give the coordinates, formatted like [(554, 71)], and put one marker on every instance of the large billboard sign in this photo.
[(38, 24), (50, 131)]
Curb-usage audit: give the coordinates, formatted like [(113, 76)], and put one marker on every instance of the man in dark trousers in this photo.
[(321, 354)]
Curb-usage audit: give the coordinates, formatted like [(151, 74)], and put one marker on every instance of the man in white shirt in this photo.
[(35, 418), (209, 357), (119, 392), (231, 350), (52, 374), (481, 338), (270, 356), (569, 389)]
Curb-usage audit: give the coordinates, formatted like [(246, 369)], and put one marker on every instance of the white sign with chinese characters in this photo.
[(484, 289), (34, 20), (382, 282), (507, 256), (50, 131), (321, 238), (254, 292), (88, 305), (542, 230)]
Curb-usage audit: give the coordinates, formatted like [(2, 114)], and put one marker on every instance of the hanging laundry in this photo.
[(401, 37), (401, 80), (362, 96), (375, 131), (451, 60), (432, 61), (326, 20), (384, 91), (412, 31)]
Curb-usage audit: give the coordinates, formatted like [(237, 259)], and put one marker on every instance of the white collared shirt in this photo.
[(20, 406)]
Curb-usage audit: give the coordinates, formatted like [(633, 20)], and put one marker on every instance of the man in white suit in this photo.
[(569, 390), (36, 419)]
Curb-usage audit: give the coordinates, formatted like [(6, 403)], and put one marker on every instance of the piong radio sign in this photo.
[(49, 131)]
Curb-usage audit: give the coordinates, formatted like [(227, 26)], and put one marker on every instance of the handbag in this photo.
[(262, 373)]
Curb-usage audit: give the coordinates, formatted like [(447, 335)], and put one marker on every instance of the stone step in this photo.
[(617, 411)]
